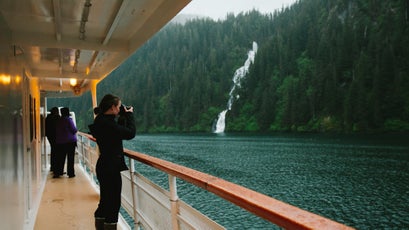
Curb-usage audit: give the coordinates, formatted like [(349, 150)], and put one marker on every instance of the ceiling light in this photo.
[(73, 81)]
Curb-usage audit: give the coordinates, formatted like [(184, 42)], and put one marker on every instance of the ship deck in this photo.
[(68, 203)]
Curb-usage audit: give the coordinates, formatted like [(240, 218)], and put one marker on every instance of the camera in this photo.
[(122, 109)]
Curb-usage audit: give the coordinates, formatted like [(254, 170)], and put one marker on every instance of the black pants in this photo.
[(53, 155), (110, 185), (66, 150)]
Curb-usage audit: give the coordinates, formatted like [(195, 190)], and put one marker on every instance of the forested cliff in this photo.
[(340, 65)]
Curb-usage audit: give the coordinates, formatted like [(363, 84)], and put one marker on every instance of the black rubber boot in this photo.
[(109, 226), (99, 223)]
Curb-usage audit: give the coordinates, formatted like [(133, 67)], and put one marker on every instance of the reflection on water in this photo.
[(360, 181)]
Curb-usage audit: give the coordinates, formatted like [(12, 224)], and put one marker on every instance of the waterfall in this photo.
[(239, 74)]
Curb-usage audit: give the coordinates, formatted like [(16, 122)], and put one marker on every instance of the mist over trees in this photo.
[(321, 65)]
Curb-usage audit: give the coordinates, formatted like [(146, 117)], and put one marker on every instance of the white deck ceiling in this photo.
[(56, 40)]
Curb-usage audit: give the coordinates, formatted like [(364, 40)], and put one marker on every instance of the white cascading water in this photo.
[(238, 75)]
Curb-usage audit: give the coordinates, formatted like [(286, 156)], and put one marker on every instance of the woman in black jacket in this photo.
[(109, 134)]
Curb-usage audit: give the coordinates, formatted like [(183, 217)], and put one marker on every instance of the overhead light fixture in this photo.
[(76, 85), (73, 82)]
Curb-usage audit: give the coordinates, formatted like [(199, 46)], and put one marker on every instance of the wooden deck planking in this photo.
[(67, 203)]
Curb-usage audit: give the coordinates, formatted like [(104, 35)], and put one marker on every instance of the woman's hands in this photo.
[(128, 109)]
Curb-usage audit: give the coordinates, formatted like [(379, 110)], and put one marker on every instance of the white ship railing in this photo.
[(153, 207)]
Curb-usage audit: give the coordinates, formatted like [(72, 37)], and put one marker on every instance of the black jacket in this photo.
[(51, 126), (109, 134)]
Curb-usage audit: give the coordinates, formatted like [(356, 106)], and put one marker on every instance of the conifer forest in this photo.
[(321, 66)]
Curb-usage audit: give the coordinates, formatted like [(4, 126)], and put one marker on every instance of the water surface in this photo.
[(361, 181)]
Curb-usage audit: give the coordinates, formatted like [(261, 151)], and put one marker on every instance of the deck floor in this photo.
[(67, 203)]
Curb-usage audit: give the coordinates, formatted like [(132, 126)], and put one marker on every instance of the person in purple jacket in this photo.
[(66, 139)]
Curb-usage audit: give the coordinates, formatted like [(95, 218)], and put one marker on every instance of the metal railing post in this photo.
[(81, 156), (174, 209), (134, 203)]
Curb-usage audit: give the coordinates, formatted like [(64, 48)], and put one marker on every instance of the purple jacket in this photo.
[(66, 131)]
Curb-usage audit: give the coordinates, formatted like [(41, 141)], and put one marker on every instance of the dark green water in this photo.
[(358, 180)]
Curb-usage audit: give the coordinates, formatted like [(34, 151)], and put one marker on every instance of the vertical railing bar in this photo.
[(87, 153), (85, 144), (81, 155), (133, 184), (174, 208), (79, 147)]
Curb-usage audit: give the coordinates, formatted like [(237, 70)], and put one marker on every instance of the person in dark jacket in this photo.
[(50, 132), (66, 138), (109, 134)]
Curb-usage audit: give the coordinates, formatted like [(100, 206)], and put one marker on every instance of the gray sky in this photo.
[(218, 9)]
